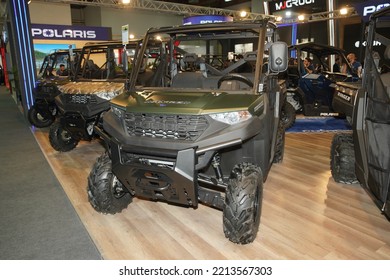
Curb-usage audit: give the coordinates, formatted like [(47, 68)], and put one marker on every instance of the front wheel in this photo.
[(105, 193), (243, 200), (342, 159), (280, 142), (60, 139), (39, 120)]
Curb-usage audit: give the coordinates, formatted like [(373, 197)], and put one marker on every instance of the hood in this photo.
[(186, 102), (105, 90)]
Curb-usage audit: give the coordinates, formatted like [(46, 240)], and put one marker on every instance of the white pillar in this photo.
[(331, 34)]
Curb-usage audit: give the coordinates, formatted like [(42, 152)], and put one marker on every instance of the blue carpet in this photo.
[(319, 124)]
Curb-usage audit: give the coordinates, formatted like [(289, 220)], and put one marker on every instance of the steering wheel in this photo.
[(235, 77)]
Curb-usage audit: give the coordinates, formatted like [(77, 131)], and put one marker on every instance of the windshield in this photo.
[(209, 58)]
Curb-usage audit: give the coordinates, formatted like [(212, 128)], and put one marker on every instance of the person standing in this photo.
[(336, 65), (356, 65)]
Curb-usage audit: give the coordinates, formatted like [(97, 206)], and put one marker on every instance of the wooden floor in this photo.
[(306, 215)]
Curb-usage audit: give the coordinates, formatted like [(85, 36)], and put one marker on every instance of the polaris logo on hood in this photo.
[(165, 102)]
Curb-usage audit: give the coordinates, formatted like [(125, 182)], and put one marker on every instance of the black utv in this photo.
[(208, 133), (364, 155), (44, 110), (101, 75), (311, 93)]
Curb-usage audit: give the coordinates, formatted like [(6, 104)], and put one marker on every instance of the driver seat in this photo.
[(230, 85)]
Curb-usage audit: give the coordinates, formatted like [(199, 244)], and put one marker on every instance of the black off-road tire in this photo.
[(279, 146), (102, 188), (37, 120), (288, 115), (243, 201), (60, 139), (342, 159)]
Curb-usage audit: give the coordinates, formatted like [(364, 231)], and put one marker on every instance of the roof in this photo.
[(317, 49)]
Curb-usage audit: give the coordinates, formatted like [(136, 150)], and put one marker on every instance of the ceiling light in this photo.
[(243, 14), (301, 17), (343, 11), (126, 1)]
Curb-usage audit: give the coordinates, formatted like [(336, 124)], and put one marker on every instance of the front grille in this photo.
[(48, 89), (81, 98), (177, 127)]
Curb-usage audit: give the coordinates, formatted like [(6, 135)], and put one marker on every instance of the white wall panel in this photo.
[(139, 21)]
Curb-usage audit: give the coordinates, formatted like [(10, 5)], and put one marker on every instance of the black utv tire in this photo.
[(103, 185), (243, 201), (279, 146), (342, 159), (60, 139), (37, 120), (288, 115)]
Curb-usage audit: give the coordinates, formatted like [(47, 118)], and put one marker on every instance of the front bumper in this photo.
[(168, 177)]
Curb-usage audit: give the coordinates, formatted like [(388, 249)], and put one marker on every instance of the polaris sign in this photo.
[(367, 8), (65, 32), (202, 19)]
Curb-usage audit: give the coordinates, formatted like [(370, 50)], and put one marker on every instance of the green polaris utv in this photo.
[(207, 133)]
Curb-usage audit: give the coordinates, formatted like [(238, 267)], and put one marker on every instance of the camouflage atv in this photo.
[(101, 75), (44, 110)]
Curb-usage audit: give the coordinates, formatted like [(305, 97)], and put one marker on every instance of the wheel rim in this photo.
[(336, 159), (256, 206), (65, 136), (40, 117), (117, 188)]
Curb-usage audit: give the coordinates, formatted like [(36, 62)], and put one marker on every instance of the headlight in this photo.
[(232, 117), (120, 113)]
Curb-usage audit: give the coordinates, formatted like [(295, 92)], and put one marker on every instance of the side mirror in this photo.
[(278, 58)]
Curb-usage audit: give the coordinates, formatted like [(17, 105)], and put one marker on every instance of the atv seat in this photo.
[(189, 60), (293, 75), (92, 70)]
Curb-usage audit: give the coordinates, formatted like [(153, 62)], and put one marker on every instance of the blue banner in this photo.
[(368, 7), (206, 19), (70, 32)]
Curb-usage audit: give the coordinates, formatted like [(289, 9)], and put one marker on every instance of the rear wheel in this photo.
[(342, 159), (60, 139), (105, 193), (288, 115), (242, 208), (38, 120)]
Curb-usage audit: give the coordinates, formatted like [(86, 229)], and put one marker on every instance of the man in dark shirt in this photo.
[(62, 71)]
